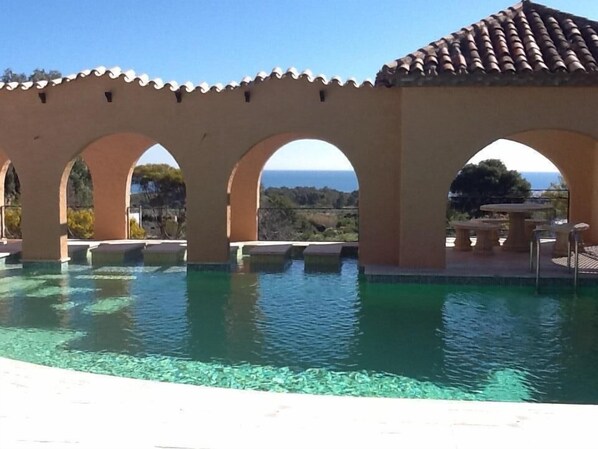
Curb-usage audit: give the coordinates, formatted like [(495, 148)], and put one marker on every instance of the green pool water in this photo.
[(306, 332)]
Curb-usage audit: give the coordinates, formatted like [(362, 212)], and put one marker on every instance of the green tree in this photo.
[(80, 187), (12, 186), (161, 185), (487, 182), (41, 75), (278, 219), (9, 76), (558, 194), (162, 189)]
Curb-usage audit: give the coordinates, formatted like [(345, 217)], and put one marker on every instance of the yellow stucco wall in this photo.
[(405, 144), (442, 128)]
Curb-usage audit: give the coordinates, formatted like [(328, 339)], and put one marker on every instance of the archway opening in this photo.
[(503, 173), (79, 200), (158, 196), (11, 202), (303, 190), (110, 161), (507, 172)]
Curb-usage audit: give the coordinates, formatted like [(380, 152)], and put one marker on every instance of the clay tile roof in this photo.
[(526, 44)]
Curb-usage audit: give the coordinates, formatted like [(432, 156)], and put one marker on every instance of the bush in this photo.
[(80, 223), (136, 232), (12, 223)]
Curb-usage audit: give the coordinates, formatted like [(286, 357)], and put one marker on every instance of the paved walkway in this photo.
[(49, 408), (467, 267)]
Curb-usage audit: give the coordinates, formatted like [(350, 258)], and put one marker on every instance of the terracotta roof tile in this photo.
[(527, 43)]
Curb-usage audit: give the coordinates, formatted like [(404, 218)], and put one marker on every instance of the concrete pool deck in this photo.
[(44, 407)]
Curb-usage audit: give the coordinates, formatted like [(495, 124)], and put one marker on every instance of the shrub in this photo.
[(12, 223), (80, 223), (136, 232)]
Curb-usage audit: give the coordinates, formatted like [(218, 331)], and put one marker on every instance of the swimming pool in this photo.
[(306, 332)]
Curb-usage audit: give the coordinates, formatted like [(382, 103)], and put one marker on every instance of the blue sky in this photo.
[(223, 41)]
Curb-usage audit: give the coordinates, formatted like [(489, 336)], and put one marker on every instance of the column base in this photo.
[(213, 267), (46, 266)]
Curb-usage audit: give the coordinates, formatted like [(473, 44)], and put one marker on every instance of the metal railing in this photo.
[(308, 223), (559, 198), (164, 223), (573, 239)]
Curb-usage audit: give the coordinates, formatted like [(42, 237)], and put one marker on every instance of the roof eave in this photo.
[(493, 79)]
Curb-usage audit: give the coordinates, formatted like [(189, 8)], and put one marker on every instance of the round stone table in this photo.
[(516, 239)]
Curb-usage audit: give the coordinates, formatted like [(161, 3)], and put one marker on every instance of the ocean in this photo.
[(346, 181)]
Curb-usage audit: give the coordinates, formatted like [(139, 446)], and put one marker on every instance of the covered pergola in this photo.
[(529, 74)]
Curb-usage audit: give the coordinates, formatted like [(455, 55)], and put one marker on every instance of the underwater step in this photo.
[(117, 253), (270, 257), (323, 256), (10, 251), (79, 252), (167, 253)]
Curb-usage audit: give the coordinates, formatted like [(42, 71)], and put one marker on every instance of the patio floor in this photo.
[(502, 267)]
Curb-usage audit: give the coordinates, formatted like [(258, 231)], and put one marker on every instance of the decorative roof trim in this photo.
[(143, 80)]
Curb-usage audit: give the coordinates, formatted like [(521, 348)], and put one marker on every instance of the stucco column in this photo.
[(424, 191), (244, 203), (378, 219), (4, 164), (111, 161), (244, 200), (110, 200), (207, 220), (245, 184), (576, 156), (43, 219)]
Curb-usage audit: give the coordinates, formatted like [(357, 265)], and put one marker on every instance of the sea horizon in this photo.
[(346, 180)]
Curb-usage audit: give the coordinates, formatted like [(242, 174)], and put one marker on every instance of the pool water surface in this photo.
[(306, 332)]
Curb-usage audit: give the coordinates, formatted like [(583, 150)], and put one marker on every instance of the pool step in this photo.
[(168, 253), (10, 251), (79, 252), (323, 257), (117, 253), (270, 256)]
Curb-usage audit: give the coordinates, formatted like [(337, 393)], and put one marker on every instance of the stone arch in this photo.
[(5, 165), (576, 156), (244, 183), (573, 153), (111, 160)]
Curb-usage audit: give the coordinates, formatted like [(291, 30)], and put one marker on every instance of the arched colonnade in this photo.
[(406, 144)]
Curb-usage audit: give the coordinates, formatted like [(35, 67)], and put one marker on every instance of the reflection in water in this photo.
[(399, 330), (106, 314), (207, 295), (491, 343)]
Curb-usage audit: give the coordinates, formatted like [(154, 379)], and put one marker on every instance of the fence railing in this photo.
[(10, 222), (164, 223), (308, 224), (463, 207)]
